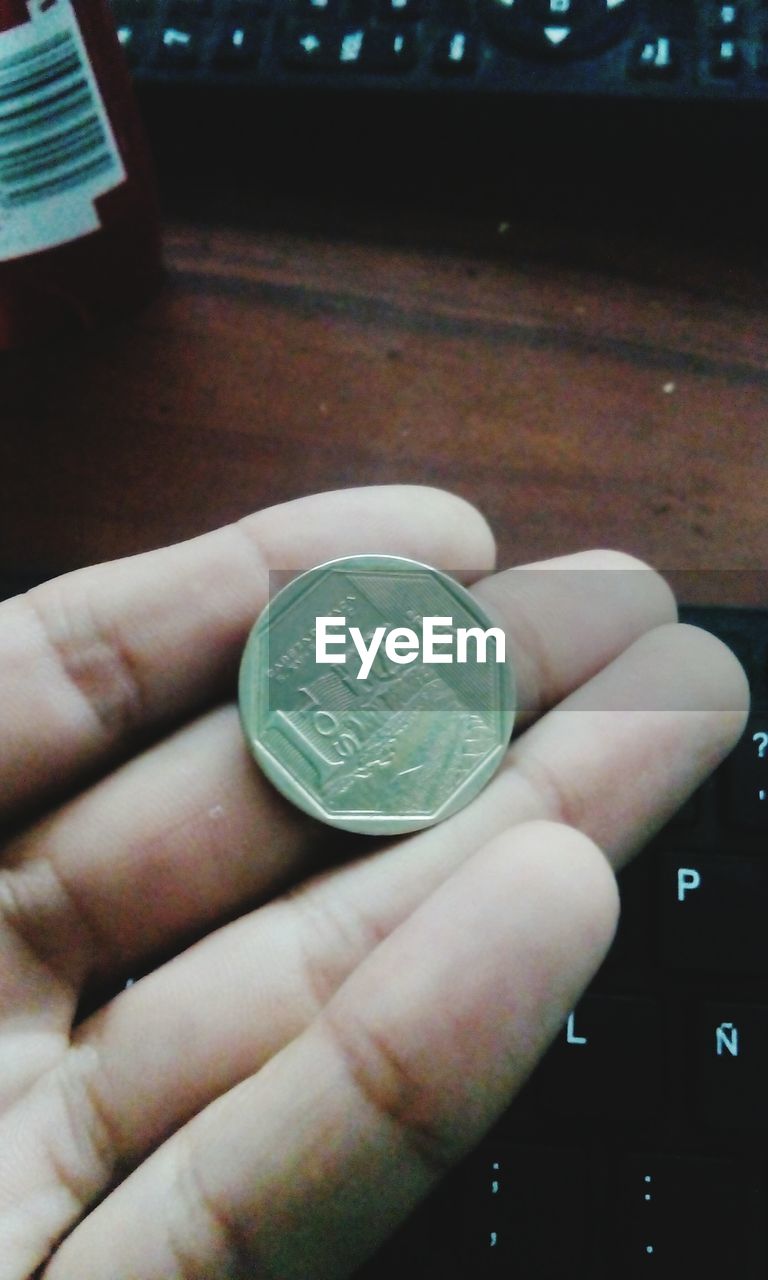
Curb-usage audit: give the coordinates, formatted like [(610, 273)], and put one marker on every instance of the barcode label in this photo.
[(57, 150)]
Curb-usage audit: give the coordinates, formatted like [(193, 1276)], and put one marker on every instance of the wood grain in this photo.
[(581, 391)]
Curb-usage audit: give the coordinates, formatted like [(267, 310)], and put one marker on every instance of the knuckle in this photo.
[(399, 1096), (94, 661), (200, 1234)]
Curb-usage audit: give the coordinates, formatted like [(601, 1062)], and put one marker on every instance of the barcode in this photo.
[(58, 153), (51, 135)]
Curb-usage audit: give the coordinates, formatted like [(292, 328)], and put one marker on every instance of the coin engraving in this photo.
[(397, 750)]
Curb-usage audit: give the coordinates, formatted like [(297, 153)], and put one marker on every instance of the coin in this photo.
[(374, 693)]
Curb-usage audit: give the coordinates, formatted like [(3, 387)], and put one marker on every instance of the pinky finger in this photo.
[(305, 1168)]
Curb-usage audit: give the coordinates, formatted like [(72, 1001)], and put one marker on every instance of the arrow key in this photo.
[(556, 35), (558, 13), (562, 28)]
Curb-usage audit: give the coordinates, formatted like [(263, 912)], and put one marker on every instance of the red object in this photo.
[(79, 229)]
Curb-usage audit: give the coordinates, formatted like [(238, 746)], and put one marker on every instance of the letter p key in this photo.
[(688, 879)]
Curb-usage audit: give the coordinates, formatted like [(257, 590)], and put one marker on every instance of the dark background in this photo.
[(556, 309)]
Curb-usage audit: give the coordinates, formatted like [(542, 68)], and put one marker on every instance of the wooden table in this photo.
[(596, 385)]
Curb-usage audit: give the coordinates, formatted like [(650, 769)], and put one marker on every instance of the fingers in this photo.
[(214, 1015), (272, 970), (92, 658), (308, 1165), (189, 831), (620, 755), (228, 1004), (570, 616)]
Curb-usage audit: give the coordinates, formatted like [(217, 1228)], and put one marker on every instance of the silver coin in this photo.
[(374, 694)]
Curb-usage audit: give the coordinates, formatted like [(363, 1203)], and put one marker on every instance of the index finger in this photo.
[(93, 661)]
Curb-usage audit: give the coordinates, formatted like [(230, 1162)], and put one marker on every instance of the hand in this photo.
[(317, 1037)]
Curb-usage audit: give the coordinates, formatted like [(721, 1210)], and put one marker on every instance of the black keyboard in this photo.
[(639, 1146), (660, 49)]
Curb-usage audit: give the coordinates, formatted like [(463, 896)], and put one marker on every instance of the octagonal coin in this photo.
[(376, 694)]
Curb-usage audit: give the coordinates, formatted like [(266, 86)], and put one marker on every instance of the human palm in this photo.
[(324, 1025)]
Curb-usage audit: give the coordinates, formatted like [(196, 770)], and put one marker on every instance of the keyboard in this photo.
[(639, 1145), (632, 49)]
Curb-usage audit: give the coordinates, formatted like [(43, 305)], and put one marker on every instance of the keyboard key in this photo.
[(746, 774), (342, 48), (389, 52), (675, 1217), (713, 913), (528, 1213), (129, 35), (455, 54), (559, 12), (351, 47), (558, 28), (728, 19), (729, 1061), (401, 10), (179, 45), (655, 59), (727, 59), (318, 9), (237, 46), (311, 48), (605, 1064)]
